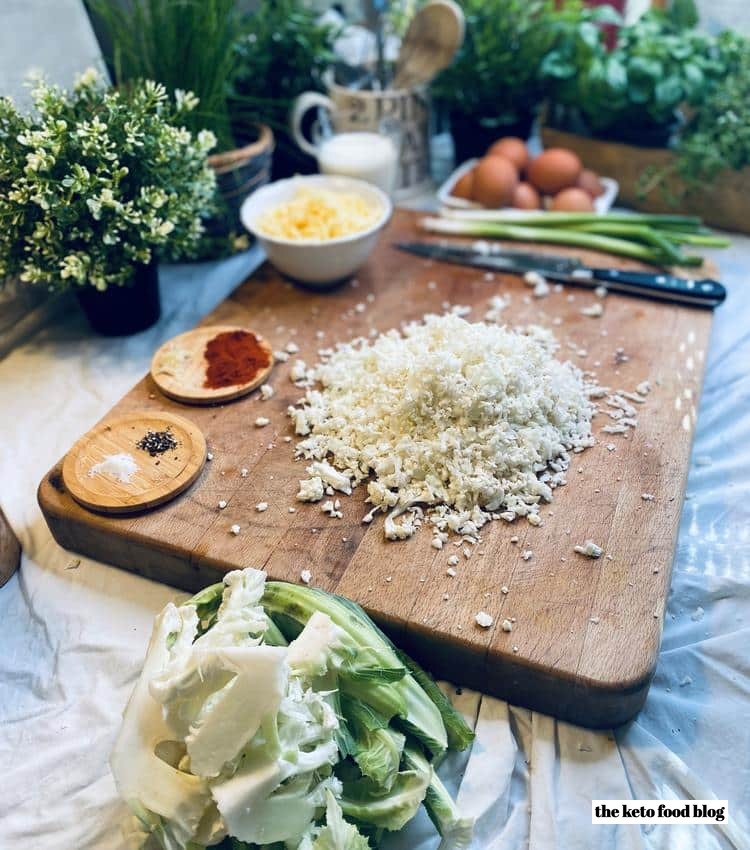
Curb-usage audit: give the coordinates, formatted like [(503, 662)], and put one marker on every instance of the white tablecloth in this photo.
[(75, 631)]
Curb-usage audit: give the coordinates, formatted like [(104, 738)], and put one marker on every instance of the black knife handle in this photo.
[(701, 292)]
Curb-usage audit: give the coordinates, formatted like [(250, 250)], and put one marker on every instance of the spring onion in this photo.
[(654, 239)]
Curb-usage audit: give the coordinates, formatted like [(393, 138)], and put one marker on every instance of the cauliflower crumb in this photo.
[(507, 626), (310, 490), (589, 549), (266, 392), (305, 576), (484, 620), (594, 310), (262, 421), (291, 347), (533, 279), (647, 497), (450, 572), (437, 543), (527, 554), (235, 529), (261, 506), (244, 472), (504, 590), (209, 455), (541, 289), (222, 504), (332, 509), (281, 356)]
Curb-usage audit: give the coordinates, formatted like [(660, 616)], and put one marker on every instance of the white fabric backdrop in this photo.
[(75, 631)]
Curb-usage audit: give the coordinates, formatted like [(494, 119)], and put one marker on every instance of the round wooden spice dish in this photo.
[(212, 364), (171, 456)]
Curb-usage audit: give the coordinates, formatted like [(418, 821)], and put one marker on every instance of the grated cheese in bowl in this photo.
[(319, 215), (449, 420)]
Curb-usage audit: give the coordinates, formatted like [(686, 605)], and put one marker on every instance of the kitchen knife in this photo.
[(660, 285)]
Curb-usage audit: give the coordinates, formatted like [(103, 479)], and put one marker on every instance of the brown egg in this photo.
[(462, 188), (553, 170), (511, 148), (589, 181), (572, 200), (526, 197), (495, 180)]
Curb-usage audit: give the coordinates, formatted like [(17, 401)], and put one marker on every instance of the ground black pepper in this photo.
[(157, 442)]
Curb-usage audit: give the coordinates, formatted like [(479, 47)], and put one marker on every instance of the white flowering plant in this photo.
[(97, 180)]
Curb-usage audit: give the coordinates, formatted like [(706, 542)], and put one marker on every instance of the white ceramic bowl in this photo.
[(319, 262)]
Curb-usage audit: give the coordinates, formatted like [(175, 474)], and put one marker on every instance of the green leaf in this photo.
[(683, 14), (668, 92), (616, 75), (589, 33)]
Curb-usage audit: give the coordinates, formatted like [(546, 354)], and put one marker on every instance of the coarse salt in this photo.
[(122, 467)]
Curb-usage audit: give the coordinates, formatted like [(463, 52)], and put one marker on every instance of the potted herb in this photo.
[(190, 45), (283, 52), (709, 169), (633, 92), (95, 185), (665, 113), (493, 88)]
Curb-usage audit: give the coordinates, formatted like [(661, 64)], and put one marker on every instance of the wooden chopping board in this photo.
[(585, 634)]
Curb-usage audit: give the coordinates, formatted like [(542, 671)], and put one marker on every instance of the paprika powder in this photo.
[(234, 357)]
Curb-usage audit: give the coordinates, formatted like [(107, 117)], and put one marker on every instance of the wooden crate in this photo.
[(725, 203)]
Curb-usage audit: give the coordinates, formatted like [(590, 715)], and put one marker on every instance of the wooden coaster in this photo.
[(155, 480), (180, 368)]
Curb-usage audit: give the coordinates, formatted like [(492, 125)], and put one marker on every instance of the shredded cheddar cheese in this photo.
[(319, 215)]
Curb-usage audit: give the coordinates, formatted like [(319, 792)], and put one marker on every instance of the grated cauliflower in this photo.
[(463, 420)]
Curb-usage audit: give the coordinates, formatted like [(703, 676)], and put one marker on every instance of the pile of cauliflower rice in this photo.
[(448, 421)]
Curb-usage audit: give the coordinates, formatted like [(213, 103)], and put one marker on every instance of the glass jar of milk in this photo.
[(368, 156)]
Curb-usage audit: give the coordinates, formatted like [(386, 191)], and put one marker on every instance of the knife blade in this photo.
[(485, 255), (659, 285)]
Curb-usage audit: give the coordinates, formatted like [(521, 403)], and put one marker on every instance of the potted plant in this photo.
[(494, 88), (708, 171), (663, 112), (634, 92), (95, 186), (190, 45), (283, 52)]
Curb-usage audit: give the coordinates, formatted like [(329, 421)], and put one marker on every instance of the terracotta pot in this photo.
[(124, 310)]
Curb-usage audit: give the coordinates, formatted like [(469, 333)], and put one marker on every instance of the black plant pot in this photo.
[(124, 310), (472, 136)]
